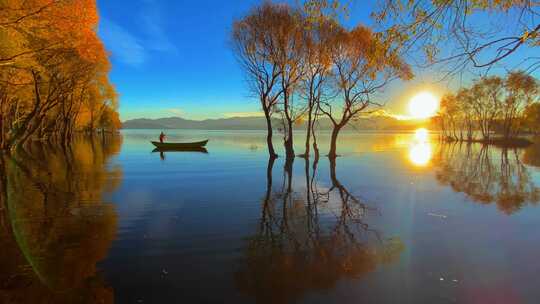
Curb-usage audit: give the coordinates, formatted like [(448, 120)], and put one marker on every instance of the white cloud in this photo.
[(123, 45), (176, 111), (243, 114), (133, 49), (152, 24)]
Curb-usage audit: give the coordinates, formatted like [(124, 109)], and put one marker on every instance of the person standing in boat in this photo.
[(161, 137)]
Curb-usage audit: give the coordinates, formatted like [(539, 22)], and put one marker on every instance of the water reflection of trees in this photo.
[(308, 238), (487, 174), (531, 155), (56, 226)]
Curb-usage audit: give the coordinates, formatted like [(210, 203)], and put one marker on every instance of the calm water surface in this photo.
[(399, 218)]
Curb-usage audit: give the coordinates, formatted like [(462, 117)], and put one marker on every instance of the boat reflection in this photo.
[(308, 238), (56, 226), (162, 151), (487, 174)]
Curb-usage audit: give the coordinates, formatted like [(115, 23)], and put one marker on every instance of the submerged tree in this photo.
[(363, 63), (288, 54), (315, 82), (254, 38), (491, 104), (521, 91)]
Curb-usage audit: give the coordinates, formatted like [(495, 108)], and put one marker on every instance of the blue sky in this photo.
[(172, 58)]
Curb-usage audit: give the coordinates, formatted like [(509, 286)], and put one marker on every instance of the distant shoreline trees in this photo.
[(505, 106), (53, 72), (303, 64)]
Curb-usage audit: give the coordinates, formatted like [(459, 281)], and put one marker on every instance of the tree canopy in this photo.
[(53, 71)]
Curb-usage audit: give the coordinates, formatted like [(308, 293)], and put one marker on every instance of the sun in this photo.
[(423, 105)]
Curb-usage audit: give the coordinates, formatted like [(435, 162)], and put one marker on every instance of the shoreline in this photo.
[(517, 142)]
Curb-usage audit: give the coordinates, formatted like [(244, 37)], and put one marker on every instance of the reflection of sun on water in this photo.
[(421, 135), (420, 150), (420, 154)]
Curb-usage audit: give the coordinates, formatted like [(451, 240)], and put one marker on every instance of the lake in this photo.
[(398, 218)]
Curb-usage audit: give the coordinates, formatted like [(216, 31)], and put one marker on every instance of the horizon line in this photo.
[(388, 115)]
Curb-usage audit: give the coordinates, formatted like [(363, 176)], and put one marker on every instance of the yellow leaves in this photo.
[(531, 37), (56, 24), (525, 36), (431, 52), (501, 5), (58, 40), (318, 11)]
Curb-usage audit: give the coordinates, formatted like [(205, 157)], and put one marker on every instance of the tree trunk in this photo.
[(315, 147), (29, 132), (308, 134), (289, 144), (314, 135), (3, 192), (269, 134), (2, 135), (333, 141)]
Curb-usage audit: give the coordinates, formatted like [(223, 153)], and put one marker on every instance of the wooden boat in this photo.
[(172, 146), (196, 149)]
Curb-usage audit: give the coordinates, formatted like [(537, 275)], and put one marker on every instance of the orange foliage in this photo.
[(53, 70)]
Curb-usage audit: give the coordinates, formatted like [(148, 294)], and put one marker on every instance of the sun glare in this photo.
[(421, 135), (423, 105), (420, 152)]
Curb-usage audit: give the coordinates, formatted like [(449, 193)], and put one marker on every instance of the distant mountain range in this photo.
[(259, 123)]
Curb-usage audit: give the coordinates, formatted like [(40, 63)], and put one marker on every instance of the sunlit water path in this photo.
[(398, 218)]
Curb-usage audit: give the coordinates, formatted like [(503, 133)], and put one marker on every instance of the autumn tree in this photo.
[(465, 100), (314, 83), (488, 94), (491, 105), (521, 91), (363, 62), (288, 54), (456, 115), (253, 40), (532, 118), (448, 116), (50, 59)]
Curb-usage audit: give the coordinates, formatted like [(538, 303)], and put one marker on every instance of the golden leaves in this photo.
[(57, 40)]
